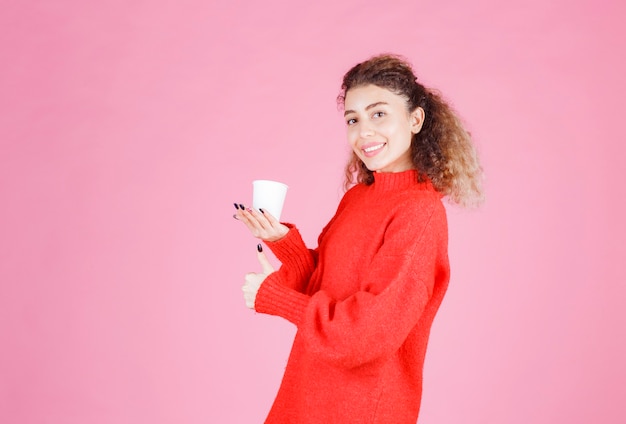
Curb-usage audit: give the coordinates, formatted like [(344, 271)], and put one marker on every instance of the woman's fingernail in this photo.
[(236, 205), (259, 247), (242, 207), (261, 210), (235, 216)]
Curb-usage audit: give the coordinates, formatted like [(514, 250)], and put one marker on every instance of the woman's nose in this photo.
[(366, 130)]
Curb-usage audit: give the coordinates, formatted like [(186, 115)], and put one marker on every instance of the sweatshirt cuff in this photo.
[(292, 251), (275, 299)]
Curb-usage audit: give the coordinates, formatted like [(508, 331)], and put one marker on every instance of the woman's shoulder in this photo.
[(418, 205), (353, 192)]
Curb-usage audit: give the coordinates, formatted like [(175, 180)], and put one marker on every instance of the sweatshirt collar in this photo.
[(386, 181)]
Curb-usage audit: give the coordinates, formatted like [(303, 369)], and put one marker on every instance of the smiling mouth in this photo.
[(373, 148)]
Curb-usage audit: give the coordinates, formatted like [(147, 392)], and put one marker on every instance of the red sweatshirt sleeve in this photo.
[(298, 262), (375, 321)]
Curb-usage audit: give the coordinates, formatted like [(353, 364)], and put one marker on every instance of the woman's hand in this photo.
[(254, 280), (261, 224)]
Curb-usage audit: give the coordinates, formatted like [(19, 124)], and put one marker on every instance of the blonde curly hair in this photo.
[(442, 151)]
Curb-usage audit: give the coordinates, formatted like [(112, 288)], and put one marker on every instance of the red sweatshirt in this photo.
[(363, 302)]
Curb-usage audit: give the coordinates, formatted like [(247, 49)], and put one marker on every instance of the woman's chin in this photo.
[(372, 165)]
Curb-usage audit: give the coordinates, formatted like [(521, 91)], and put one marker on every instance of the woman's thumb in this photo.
[(265, 263)]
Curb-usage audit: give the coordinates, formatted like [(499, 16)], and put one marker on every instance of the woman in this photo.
[(365, 299)]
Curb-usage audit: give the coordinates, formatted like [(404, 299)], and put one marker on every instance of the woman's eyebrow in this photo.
[(367, 108)]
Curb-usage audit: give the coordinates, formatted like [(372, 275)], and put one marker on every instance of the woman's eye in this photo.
[(351, 121), (379, 114)]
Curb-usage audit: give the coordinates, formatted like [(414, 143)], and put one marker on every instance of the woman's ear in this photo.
[(417, 120)]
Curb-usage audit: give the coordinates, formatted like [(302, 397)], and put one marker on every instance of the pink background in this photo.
[(128, 129)]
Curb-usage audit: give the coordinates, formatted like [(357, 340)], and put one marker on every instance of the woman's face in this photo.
[(380, 128)]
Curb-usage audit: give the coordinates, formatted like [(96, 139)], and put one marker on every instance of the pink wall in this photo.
[(127, 130)]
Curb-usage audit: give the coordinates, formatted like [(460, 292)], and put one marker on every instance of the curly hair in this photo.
[(441, 151)]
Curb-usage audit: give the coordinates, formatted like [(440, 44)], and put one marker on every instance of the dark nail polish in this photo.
[(259, 247), (261, 210), (242, 207), (236, 205), (235, 216)]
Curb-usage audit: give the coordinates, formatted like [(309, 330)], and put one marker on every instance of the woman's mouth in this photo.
[(372, 149)]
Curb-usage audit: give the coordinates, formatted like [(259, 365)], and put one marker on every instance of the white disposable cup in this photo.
[(269, 196)]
